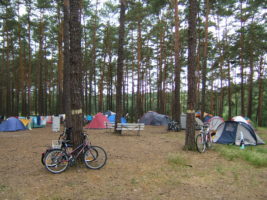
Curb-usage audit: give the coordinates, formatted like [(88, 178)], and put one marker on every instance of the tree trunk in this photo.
[(205, 58), (242, 62), (229, 92), (177, 70), (76, 72), (120, 64), (66, 79), (60, 62), (101, 84), (190, 117), (40, 67), (139, 79), (250, 86), (260, 88), (29, 80), (160, 71), (7, 76)]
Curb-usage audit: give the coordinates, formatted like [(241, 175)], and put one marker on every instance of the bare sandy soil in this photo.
[(138, 167)]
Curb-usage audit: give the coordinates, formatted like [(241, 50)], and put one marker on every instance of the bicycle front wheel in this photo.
[(200, 143), (56, 161), (95, 157)]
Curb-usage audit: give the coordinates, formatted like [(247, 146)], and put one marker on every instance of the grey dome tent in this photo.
[(154, 119), (230, 132), (215, 122), (198, 122)]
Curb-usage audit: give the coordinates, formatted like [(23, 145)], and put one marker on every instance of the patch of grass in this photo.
[(176, 159), (3, 187), (55, 198), (134, 181), (235, 173), (261, 128), (256, 156), (220, 170)]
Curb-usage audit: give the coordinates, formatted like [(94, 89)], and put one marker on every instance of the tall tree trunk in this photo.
[(66, 79), (76, 71), (21, 74), (60, 61), (8, 109), (229, 92), (242, 60), (177, 67), (120, 64), (133, 113), (190, 117), (29, 75), (139, 79), (40, 67), (260, 91), (205, 58), (221, 99), (160, 71), (101, 84), (250, 80)]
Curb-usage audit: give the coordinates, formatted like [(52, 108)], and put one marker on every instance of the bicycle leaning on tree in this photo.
[(57, 160), (204, 139)]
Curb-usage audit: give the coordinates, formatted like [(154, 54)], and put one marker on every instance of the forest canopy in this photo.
[(231, 58)]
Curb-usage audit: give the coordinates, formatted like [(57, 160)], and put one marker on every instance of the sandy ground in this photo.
[(138, 167)]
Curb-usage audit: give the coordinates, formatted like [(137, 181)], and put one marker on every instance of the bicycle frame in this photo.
[(81, 146), (203, 139)]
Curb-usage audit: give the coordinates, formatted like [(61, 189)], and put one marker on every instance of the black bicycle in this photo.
[(174, 126), (64, 142), (58, 160)]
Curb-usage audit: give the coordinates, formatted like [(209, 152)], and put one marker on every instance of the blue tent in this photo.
[(112, 118), (207, 118), (12, 124), (231, 132), (38, 122)]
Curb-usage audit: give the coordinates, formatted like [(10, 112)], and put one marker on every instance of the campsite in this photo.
[(133, 99), (151, 166)]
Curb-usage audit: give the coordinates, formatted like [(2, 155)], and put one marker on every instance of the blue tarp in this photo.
[(12, 124), (112, 118)]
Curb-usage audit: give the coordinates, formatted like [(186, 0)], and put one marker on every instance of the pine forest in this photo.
[(135, 57)]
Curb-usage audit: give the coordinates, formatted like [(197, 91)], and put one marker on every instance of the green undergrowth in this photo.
[(255, 155), (176, 159)]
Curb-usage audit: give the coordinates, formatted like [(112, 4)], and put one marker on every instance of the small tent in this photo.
[(112, 119), (12, 124), (49, 119), (108, 113), (38, 121), (98, 121), (89, 118), (231, 132), (198, 122), (244, 120), (215, 122), (240, 119), (154, 119)]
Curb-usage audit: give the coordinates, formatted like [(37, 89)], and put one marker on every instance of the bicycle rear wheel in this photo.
[(95, 157), (56, 161), (200, 143)]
